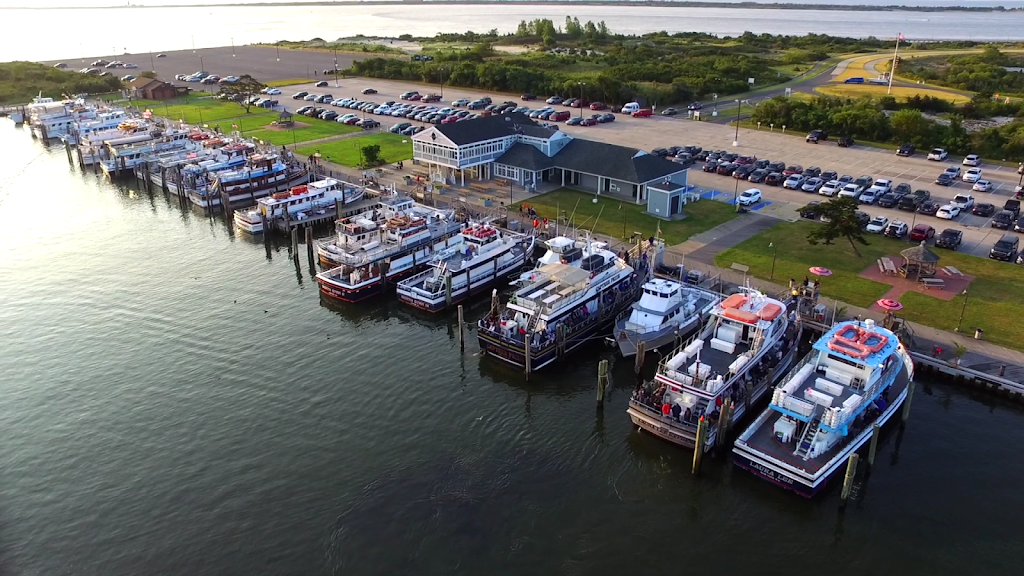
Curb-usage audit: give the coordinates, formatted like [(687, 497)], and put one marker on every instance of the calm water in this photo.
[(141, 30), (176, 400)]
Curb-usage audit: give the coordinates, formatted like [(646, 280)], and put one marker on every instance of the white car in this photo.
[(346, 117), (812, 185), (963, 201), (830, 188), (972, 160), (794, 182), (948, 212), (877, 224), (749, 197), (881, 186), (131, 66), (272, 91), (982, 186), (972, 175), (851, 190), (938, 155)]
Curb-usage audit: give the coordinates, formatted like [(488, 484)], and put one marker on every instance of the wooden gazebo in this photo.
[(918, 262), (285, 118)]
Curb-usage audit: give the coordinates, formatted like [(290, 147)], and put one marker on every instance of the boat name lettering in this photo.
[(768, 472), (503, 352)]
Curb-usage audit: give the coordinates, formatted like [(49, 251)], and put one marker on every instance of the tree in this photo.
[(840, 221), (147, 74), (908, 125), (371, 155), (243, 90)]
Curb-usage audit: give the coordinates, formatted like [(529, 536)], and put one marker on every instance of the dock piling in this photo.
[(602, 383), (295, 243), (448, 290), (641, 353), (526, 355), (851, 471), (698, 446), (723, 423), (906, 403), (875, 428), (309, 245), (462, 331)]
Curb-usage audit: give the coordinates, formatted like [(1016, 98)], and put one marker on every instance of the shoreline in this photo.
[(649, 3)]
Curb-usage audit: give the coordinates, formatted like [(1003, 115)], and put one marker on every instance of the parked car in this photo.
[(554, 100), (397, 128), (944, 179), (972, 160), (877, 224), (869, 196), (271, 91), (906, 149), (811, 211), (431, 98), (774, 179), (741, 172), (1003, 220), (757, 176), (749, 197), (299, 95), (845, 141), (829, 175), (812, 185), (817, 136), (368, 123), (951, 238), (776, 166), (896, 229), (1019, 225), (727, 168), (321, 84), (830, 188), (408, 95), (982, 186), (598, 106), (643, 113), (328, 115), (669, 112), (972, 175), (793, 169), (947, 212), (910, 203), (937, 154), (1013, 205), (1005, 248), (850, 190), (888, 200), (929, 207), (605, 118), (794, 181), (559, 116), (922, 232)]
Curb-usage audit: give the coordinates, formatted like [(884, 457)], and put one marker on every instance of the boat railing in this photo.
[(837, 418)]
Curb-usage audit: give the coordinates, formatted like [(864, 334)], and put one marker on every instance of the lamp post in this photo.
[(152, 64), (582, 84), (775, 250), (441, 72), (278, 53), (201, 67), (193, 44), (962, 310), (736, 140), (336, 68), (232, 47)]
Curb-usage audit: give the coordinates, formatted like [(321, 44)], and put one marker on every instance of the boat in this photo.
[(92, 147), (560, 249), (746, 346), (560, 310), (299, 203), (668, 312), (51, 119), (104, 121), (485, 255), (263, 174), (383, 246), (185, 171), (856, 375), (122, 157)]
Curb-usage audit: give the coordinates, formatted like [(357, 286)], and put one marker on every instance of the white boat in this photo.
[(856, 375), (263, 174), (124, 157), (49, 119), (561, 249), (746, 346), (299, 203), (563, 308), (92, 147), (485, 256), (372, 252), (105, 120), (668, 312), (195, 170)]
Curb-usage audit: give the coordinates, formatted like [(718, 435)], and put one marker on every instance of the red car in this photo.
[(451, 119), (922, 232), (560, 116), (794, 169), (588, 122), (643, 112), (598, 106), (415, 97), (430, 98), (351, 121)]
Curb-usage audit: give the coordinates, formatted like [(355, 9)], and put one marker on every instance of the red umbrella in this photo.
[(889, 305), (819, 271)]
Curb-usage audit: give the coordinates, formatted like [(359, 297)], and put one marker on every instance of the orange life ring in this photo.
[(666, 409)]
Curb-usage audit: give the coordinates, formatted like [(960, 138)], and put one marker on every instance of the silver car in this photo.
[(812, 185)]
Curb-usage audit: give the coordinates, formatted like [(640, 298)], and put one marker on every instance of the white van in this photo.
[(630, 108)]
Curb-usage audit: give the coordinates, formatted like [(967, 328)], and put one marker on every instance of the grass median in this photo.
[(619, 218), (993, 303), (348, 152)]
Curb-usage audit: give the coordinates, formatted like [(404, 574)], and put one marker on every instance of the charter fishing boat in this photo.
[(384, 246), (668, 312), (746, 346), (104, 121), (561, 249), (123, 157), (856, 375), (561, 309), (50, 119), (92, 147), (485, 255), (263, 175), (182, 172), (298, 204)]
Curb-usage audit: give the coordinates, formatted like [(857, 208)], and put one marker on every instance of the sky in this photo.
[(102, 3)]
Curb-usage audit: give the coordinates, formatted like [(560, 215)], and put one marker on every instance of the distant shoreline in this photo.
[(648, 3)]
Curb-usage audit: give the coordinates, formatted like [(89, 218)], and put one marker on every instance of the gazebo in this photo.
[(918, 262), (285, 118)]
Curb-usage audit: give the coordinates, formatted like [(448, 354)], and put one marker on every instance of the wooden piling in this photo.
[(448, 290), (602, 383), (851, 471), (462, 331), (748, 389), (698, 447), (875, 428), (906, 403), (295, 243), (641, 352), (526, 354), (309, 244)]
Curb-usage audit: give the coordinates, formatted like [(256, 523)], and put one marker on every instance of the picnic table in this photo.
[(952, 271), (887, 267), (933, 283)]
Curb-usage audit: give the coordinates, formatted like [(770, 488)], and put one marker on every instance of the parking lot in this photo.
[(770, 143)]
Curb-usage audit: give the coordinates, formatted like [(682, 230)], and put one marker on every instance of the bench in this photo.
[(723, 345), (933, 283), (501, 182), (479, 187), (881, 266), (952, 271), (890, 268)]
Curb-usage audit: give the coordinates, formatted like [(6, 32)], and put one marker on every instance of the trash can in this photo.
[(977, 333)]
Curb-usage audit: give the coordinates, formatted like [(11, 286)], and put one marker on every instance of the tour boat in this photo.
[(561, 249), (384, 246), (561, 309), (182, 172), (745, 347), (263, 175), (104, 121), (856, 375), (668, 311), (124, 157), (485, 256), (298, 204), (92, 147), (50, 119)]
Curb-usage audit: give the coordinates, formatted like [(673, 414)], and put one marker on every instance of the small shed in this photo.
[(666, 199), (918, 262), (285, 118)]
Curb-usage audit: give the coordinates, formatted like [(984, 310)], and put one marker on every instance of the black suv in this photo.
[(774, 179), (1006, 248), (906, 149), (950, 238), (817, 136), (909, 203), (888, 200), (1003, 220), (845, 142)]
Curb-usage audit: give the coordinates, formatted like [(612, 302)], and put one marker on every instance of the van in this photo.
[(630, 108), (1006, 248)]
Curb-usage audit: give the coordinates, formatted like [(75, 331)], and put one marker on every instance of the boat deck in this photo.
[(763, 439)]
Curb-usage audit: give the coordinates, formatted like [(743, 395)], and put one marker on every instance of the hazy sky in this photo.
[(95, 3)]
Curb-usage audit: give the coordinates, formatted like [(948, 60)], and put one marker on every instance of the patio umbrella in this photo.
[(889, 305), (819, 271)]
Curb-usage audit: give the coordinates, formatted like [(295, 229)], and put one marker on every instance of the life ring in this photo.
[(666, 409)]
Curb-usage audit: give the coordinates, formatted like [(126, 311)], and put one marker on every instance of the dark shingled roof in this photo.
[(612, 161), (526, 157), (488, 128), (920, 253)]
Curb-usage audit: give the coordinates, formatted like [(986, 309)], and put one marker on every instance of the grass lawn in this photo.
[(618, 215), (317, 129), (994, 303), (205, 111), (877, 91), (288, 82), (393, 148)]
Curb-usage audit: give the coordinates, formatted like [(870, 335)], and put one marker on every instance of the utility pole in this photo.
[(895, 59)]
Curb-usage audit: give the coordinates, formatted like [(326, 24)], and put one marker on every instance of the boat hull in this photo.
[(517, 356), (657, 339), (369, 289), (438, 303)]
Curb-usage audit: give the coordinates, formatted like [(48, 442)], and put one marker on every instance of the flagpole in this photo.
[(892, 70)]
